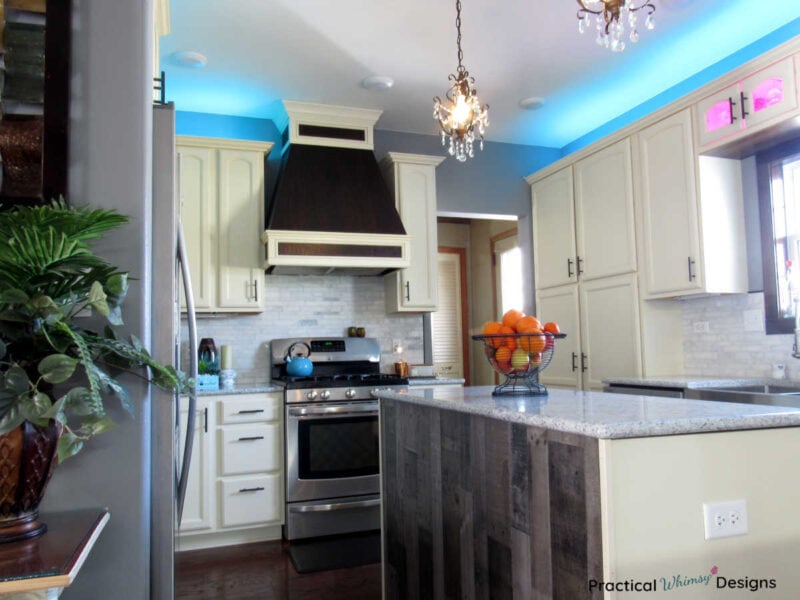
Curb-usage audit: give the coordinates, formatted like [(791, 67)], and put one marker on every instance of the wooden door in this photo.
[(719, 116), (448, 322), (197, 510), (770, 93)]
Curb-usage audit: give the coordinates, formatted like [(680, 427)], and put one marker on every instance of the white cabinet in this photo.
[(583, 219), (691, 214), (757, 100), (222, 210), (601, 319), (412, 181), (240, 482), (605, 230), (197, 506)]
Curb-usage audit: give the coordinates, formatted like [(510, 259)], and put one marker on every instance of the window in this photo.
[(778, 171)]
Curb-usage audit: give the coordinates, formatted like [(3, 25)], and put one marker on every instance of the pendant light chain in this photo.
[(458, 36)]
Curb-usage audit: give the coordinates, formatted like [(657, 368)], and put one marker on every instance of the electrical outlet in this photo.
[(725, 519), (397, 346), (701, 327)]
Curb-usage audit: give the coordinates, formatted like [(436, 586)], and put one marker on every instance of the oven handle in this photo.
[(336, 411), (338, 506)]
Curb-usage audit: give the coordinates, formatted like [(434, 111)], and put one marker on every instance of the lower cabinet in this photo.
[(601, 320), (235, 490)]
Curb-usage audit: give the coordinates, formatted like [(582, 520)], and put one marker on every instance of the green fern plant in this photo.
[(51, 366)]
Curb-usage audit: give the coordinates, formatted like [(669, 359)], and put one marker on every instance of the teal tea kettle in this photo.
[(298, 365)]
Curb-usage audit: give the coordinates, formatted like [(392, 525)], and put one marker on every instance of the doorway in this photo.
[(449, 324), (507, 272)]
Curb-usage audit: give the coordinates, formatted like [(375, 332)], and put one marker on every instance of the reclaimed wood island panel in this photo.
[(487, 497)]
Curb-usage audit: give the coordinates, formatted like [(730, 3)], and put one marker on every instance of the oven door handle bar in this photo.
[(337, 506), (339, 411)]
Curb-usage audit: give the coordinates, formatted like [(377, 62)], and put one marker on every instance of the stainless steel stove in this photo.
[(332, 460)]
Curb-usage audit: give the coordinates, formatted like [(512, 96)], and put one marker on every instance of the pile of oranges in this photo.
[(518, 341)]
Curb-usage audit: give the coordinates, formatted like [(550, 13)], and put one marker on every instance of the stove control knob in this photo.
[(324, 394), (312, 395), (351, 393)]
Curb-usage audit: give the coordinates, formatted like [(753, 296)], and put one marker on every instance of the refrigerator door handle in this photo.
[(190, 420)]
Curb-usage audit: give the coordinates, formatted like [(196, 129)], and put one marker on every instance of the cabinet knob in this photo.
[(742, 105), (251, 438), (584, 362), (569, 268), (690, 264), (574, 362), (255, 290), (408, 291), (252, 489), (579, 262), (732, 104)]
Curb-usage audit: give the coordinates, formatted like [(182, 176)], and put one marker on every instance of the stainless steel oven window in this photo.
[(348, 432)]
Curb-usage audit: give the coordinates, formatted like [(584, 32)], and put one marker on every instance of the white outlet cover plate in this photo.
[(725, 519)]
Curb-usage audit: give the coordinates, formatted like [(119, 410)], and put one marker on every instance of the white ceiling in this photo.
[(262, 51)]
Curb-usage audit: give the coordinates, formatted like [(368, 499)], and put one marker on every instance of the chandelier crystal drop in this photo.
[(460, 116), (611, 19)]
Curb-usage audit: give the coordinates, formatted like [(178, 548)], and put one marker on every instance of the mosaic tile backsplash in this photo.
[(736, 343), (310, 306)]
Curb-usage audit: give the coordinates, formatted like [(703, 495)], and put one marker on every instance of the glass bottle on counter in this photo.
[(207, 357)]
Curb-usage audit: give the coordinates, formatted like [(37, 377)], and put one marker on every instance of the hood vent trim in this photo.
[(332, 210)]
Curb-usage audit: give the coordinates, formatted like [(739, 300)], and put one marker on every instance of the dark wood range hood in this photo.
[(332, 210)]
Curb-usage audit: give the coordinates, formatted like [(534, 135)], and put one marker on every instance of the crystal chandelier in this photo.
[(611, 17), (460, 114)]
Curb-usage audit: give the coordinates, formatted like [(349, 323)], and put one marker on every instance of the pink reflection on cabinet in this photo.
[(767, 93), (719, 115)]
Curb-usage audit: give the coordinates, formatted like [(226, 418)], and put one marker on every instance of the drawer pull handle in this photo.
[(255, 489), (251, 438), (250, 412)]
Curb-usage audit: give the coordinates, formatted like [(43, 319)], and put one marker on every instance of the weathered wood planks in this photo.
[(481, 508)]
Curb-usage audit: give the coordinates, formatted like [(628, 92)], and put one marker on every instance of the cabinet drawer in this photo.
[(249, 448), (247, 408), (250, 500)]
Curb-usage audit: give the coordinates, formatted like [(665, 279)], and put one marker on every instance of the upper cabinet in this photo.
[(691, 214), (412, 181), (583, 219), (222, 211), (755, 101)]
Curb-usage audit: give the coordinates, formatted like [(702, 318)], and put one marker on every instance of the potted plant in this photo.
[(56, 374)]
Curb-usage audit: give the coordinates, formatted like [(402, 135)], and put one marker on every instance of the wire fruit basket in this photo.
[(520, 357)]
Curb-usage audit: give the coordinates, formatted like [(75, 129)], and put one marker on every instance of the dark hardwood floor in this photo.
[(263, 571)]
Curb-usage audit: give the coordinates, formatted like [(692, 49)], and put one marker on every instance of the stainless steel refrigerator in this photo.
[(170, 462)]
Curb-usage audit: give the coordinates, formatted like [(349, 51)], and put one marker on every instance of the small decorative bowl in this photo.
[(520, 357)]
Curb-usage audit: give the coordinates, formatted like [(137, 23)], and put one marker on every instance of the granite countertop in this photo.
[(601, 415), (696, 382), (426, 381), (245, 389)]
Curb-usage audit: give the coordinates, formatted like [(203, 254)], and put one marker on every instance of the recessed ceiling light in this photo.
[(190, 59), (378, 83), (531, 103)]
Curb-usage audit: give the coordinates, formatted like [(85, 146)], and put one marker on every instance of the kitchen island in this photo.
[(576, 493)]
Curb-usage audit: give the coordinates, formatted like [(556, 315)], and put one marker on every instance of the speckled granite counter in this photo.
[(601, 415), (428, 381), (247, 389)]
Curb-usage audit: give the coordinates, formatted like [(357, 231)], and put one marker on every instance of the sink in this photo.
[(766, 388), (768, 394)]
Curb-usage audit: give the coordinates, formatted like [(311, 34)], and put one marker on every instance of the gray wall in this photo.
[(110, 167)]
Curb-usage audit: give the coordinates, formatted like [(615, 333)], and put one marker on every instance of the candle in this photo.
[(227, 357)]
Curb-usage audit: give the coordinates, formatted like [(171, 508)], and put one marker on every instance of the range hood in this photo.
[(332, 210)]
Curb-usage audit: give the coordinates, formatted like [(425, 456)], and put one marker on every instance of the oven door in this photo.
[(331, 450)]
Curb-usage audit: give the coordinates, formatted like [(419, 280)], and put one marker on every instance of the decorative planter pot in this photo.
[(27, 459)]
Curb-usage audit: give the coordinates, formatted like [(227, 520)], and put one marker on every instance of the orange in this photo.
[(492, 328), (528, 324), (508, 341), (533, 342), (503, 354), (511, 317), (551, 327)]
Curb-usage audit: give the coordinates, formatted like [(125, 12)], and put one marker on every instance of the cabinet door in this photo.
[(610, 333), (560, 304), (554, 230), (605, 228), (249, 448), (241, 222), (416, 203), (253, 500), (670, 239), (197, 508), (769, 93), (198, 215), (719, 115)]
